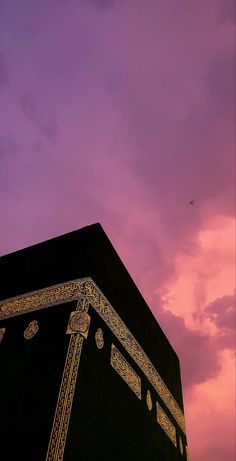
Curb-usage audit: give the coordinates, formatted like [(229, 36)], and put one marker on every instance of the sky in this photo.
[(122, 112)]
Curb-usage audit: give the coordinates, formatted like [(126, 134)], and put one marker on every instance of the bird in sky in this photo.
[(191, 202)]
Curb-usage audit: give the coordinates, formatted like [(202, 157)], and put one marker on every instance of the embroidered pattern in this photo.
[(2, 331), (149, 400), (166, 424), (126, 372), (112, 319), (31, 330), (66, 394), (78, 323), (99, 338), (88, 292), (40, 299)]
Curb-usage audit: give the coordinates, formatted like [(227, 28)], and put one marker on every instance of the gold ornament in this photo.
[(149, 400), (99, 338), (78, 323), (31, 330)]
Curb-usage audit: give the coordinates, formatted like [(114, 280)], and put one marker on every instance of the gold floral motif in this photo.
[(66, 394), (181, 448), (78, 323), (39, 299), (86, 287), (112, 319), (31, 330), (99, 338), (2, 331), (64, 404), (166, 424), (149, 400), (126, 372)]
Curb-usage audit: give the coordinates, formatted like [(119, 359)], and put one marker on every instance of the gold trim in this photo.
[(79, 322), (65, 398), (166, 424), (149, 400), (2, 331), (71, 290), (181, 448), (99, 338), (39, 299), (31, 330), (113, 320), (126, 372)]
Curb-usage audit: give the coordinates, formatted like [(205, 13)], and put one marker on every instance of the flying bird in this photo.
[(191, 202)]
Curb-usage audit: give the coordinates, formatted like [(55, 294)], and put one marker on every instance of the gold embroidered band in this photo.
[(166, 424), (71, 290), (126, 372)]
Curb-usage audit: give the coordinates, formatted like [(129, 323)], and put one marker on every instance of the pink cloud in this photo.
[(222, 312), (210, 414), (134, 116), (198, 352)]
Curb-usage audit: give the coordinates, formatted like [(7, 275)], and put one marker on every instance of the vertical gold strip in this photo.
[(125, 371), (69, 291), (64, 404), (61, 421), (85, 287), (166, 424)]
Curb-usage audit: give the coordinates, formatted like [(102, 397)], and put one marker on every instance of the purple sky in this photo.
[(121, 112)]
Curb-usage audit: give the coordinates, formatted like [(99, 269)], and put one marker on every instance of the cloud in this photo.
[(146, 102), (48, 126), (8, 145), (4, 73), (198, 352), (227, 11), (222, 312), (220, 84), (210, 415), (104, 4), (200, 349)]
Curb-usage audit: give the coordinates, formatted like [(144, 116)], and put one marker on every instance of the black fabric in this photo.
[(30, 377), (108, 421)]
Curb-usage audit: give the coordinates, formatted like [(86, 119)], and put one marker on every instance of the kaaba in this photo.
[(86, 371)]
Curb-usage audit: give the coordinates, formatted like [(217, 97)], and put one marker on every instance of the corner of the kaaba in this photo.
[(86, 371)]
